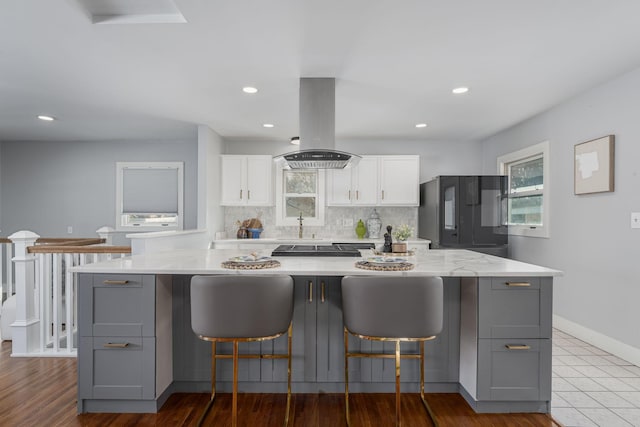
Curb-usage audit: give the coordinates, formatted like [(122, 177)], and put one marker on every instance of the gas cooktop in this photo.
[(335, 249)]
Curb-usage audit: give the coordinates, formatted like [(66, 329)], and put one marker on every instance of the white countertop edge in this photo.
[(445, 263)]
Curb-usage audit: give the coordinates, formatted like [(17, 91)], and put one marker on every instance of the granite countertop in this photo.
[(449, 262)]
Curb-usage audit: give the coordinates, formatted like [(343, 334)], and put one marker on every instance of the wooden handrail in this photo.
[(60, 241), (4, 240), (86, 249)]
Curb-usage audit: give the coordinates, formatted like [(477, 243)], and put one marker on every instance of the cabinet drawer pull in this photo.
[(115, 282), (240, 194), (322, 291), (116, 345), (382, 194), (357, 195), (349, 195), (248, 194), (518, 284), (310, 291), (517, 347)]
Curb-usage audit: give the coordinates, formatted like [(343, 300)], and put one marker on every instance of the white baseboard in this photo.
[(608, 344)]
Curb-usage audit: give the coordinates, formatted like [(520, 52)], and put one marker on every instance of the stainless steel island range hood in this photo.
[(317, 129)]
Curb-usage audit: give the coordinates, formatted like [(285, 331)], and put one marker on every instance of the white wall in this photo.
[(210, 213), (48, 186), (436, 157), (591, 239)]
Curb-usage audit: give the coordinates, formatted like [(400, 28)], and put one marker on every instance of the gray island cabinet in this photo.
[(136, 346)]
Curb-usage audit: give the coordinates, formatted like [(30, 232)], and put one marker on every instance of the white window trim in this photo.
[(534, 150), (280, 209), (120, 166)]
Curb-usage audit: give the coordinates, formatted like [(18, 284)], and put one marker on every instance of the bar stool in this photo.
[(241, 309), (386, 308)]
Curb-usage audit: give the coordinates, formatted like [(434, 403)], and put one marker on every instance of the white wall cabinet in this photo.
[(246, 180), (354, 186), (376, 180), (399, 180)]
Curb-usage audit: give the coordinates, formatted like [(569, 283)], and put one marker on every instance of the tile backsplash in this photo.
[(334, 221)]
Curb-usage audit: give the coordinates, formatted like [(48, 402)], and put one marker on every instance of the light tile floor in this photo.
[(591, 387)]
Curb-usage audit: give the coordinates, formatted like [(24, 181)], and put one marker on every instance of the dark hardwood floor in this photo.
[(42, 391)]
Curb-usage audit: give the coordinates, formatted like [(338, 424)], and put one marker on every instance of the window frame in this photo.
[(281, 220), (504, 163), (124, 224)]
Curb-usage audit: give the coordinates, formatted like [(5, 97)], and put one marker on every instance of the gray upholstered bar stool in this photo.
[(240, 309), (387, 308)]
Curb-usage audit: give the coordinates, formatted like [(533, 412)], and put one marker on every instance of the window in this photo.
[(528, 196), (149, 195), (299, 192)]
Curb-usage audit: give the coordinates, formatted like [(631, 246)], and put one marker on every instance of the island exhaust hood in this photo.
[(317, 129)]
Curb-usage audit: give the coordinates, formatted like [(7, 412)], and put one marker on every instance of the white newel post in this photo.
[(107, 234), (24, 330)]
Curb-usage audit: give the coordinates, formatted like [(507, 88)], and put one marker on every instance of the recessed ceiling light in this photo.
[(460, 90), (46, 118), (295, 140), (421, 125), (249, 89), (267, 125)]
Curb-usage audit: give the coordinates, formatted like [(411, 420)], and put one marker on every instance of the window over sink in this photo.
[(299, 192)]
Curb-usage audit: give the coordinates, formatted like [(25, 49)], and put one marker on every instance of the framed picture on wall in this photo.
[(593, 166)]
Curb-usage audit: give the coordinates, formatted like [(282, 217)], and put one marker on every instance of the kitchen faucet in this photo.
[(300, 227)]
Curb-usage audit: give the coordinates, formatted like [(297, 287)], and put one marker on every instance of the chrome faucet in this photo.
[(300, 227)]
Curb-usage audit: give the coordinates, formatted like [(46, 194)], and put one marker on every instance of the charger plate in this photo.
[(245, 264), (400, 266)]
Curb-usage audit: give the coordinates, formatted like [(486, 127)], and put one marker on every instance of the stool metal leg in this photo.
[(213, 385), (234, 404), (346, 375), (398, 383), (424, 401), (289, 335)]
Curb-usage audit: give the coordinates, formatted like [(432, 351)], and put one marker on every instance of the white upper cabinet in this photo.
[(354, 186), (247, 180), (400, 180), (376, 180)]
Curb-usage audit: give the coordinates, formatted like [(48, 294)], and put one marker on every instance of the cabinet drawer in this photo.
[(514, 307), (514, 369), (116, 305), (116, 368)]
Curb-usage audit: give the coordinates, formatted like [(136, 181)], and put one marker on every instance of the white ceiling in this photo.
[(395, 63)]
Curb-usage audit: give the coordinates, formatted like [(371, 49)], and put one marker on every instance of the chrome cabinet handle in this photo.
[(517, 347), (518, 284), (382, 194), (116, 345), (240, 194), (248, 194), (357, 195), (349, 195), (322, 291), (310, 291), (115, 282)]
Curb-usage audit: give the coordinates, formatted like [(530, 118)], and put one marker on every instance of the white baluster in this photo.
[(57, 301), (69, 296), (41, 268), (25, 327)]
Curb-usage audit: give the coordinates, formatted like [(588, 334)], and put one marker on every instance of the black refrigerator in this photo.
[(465, 212)]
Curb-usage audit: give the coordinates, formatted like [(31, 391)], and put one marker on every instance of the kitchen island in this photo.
[(136, 346)]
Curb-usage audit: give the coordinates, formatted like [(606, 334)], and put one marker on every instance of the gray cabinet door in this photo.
[(329, 330), (514, 307), (514, 369), (116, 305), (116, 368)]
